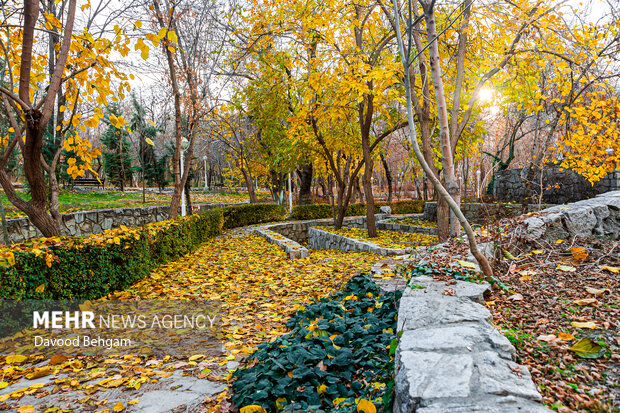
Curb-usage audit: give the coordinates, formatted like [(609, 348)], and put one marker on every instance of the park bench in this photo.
[(89, 182)]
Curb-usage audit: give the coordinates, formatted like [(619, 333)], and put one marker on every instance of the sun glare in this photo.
[(486, 95)]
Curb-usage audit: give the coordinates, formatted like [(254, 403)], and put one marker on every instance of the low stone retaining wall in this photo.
[(450, 359), (319, 239), (477, 212), (293, 249), (391, 226), (84, 223), (599, 216)]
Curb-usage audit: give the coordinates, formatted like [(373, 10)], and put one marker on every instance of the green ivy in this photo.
[(339, 349)]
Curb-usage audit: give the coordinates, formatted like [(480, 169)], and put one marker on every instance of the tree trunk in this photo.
[(250, 184), (447, 159), (388, 177), (305, 186), (188, 197)]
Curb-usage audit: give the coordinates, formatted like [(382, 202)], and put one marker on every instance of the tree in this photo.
[(79, 68), (117, 159)]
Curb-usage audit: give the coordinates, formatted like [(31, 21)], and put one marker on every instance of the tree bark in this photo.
[(388, 177), (305, 187)]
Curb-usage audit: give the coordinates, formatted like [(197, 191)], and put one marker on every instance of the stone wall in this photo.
[(599, 216), (477, 212), (559, 185), (319, 239), (450, 359), (84, 223)]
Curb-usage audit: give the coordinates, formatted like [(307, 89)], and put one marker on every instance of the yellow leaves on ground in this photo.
[(386, 239), (16, 359), (118, 407), (467, 264), (253, 408), (579, 253), (366, 406), (565, 336), (585, 324)]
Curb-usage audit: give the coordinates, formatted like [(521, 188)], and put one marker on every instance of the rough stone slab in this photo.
[(498, 405), (459, 338), (319, 239), (446, 310), (422, 375), (502, 377), (463, 289)]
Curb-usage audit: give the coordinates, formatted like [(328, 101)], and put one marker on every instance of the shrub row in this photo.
[(91, 267), (250, 214), (338, 357), (318, 211)]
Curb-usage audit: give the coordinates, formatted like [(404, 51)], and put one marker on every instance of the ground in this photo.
[(258, 288)]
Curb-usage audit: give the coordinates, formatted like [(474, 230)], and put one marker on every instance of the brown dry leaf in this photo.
[(57, 359), (547, 337), (597, 291)]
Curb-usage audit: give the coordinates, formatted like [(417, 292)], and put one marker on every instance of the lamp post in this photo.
[(184, 145), (478, 184), (290, 195), (204, 158)]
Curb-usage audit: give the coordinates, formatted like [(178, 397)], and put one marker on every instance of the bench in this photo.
[(89, 182)]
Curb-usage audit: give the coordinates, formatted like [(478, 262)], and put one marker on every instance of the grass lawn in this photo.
[(76, 201)]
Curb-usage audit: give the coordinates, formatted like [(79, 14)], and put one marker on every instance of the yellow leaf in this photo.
[(49, 259), (196, 357), (138, 24), (3, 384), (253, 408), (172, 36), (149, 141), (321, 389), (15, 359), (40, 288), (586, 324), (118, 407), (537, 252), (162, 33), (366, 406), (25, 409), (586, 301), (614, 270), (587, 348), (280, 402), (117, 240), (467, 264), (565, 336), (40, 372), (133, 401), (579, 253)]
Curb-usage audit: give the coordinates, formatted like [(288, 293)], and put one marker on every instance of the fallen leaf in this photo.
[(253, 408), (25, 409), (615, 270), (118, 407), (579, 253), (586, 301), (516, 297), (15, 359), (3, 384), (467, 264), (366, 406), (565, 336), (547, 337), (57, 359), (584, 324), (586, 348), (597, 291), (566, 268), (537, 252), (40, 372)]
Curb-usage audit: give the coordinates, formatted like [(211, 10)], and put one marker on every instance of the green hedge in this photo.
[(91, 267), (318, 211), (250, 214)]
